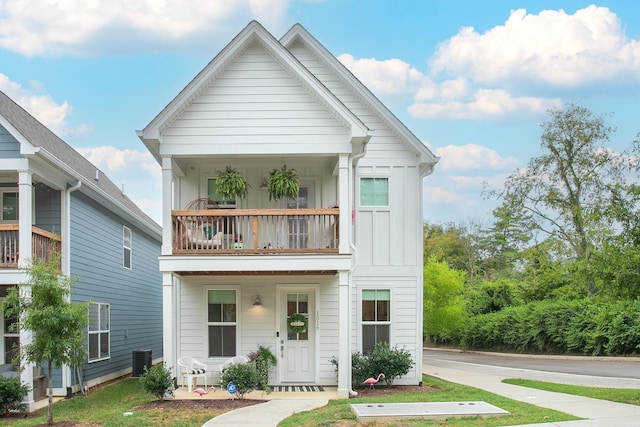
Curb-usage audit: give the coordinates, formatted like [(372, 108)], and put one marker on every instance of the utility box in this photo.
[(141, 358)]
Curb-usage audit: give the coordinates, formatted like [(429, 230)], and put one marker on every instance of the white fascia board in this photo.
[(264, 263), (14, 164), (299, 32)]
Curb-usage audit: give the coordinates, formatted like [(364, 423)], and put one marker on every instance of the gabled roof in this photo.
[(298, 33), (253, 32), (36, 139)]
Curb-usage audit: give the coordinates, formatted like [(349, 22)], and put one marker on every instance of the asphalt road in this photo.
[(623, 372)]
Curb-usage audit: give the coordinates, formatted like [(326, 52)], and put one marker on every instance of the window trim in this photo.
[(375, 322), (374, 206), (206, 322), (126, 248), (99, 332), (227, 204), (9, 190)]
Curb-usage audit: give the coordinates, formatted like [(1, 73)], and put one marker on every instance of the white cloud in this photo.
[(42, 27), (42, 107), (113, 159), (472, 156), (551, 47)]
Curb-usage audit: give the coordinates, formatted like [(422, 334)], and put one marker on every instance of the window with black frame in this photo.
[(376, 317)]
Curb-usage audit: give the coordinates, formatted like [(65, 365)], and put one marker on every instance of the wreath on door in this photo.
[(298, 323)]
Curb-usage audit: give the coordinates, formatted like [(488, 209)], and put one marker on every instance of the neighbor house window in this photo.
[(376, 319), (11, 337), (9, 200), (126, 247), (99, 332), (213, 195), (222, 322), (374, 191)]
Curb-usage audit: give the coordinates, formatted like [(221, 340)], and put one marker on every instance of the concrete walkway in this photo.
[(596, 413)]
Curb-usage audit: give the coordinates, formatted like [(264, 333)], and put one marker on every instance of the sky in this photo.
[(473, 80)]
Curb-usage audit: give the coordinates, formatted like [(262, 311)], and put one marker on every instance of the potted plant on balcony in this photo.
[(231, 184), (283, 183)]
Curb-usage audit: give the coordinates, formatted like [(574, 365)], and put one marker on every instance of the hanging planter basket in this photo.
[(298, 323)]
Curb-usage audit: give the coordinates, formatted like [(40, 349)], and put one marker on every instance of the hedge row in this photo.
[(558, 327)]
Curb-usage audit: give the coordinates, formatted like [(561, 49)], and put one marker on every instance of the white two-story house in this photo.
[(346, 254)]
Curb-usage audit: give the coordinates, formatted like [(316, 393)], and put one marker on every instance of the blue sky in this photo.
[(473, 80)]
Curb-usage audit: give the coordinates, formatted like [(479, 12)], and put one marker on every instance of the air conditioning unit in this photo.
[(141, 358)]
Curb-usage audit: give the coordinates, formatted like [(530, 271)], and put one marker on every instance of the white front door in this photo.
[(297, 349)]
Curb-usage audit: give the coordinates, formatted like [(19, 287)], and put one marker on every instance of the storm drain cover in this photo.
[(431, 410)]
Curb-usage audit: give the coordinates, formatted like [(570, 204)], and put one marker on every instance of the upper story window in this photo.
[(126, 247), (9, 200), (374, 191), (217, 198), (99, 332)]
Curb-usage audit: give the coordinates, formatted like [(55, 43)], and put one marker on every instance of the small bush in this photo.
[(392, 362), (157, 381), (243, 375), (12, 393)]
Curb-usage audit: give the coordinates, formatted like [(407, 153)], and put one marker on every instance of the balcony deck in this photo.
[(43, 243), (255, 231)]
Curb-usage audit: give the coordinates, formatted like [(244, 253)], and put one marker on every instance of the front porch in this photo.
[(43, 245)]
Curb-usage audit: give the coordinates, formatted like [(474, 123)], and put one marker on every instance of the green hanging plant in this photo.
[(283, 183), (231, 184)]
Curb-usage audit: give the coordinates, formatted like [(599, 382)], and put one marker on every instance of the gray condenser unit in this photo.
[(141, 358)]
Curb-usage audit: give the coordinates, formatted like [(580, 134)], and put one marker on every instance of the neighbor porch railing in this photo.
[(273, 231), (43, 245)]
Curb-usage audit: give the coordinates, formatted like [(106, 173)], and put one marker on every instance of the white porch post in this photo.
[(343, 201), (169, 318), (167, 205), (344, 335), (25, 220)]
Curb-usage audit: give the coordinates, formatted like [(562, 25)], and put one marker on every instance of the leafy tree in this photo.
[(443, 303), (57, 326), (567, 192)]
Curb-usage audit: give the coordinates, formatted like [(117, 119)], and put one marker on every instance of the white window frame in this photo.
[(9, 190), (102, 328), (206, 322), (374, 206), (127, 250), (375, 322)]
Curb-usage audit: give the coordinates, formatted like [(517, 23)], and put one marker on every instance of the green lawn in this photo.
[(106, 405), (621, 395)]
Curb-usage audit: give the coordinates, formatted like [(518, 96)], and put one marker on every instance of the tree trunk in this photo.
[(50, 384)]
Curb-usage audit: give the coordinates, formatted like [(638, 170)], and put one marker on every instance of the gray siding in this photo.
[(47, 202), (135, 296), (9, 147)]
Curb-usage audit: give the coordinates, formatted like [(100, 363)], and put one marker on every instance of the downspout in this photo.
[(65, 264), (352, 186)]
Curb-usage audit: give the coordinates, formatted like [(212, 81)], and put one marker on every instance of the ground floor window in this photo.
[(11, 337), (99, 333), (222, 322), (376, 318)]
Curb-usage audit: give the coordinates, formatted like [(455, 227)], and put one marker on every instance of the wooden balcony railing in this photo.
[(43, 245), (255, 231)]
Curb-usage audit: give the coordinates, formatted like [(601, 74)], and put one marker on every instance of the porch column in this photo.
[(25, 190), (345, 206), (167, 205), (344, 335), (169, 319)]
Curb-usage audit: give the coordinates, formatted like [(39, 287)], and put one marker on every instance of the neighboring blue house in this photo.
[(51, 196)]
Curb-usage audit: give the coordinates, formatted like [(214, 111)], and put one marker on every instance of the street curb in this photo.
[(539, 356)]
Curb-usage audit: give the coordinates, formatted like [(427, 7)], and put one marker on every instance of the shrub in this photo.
[(12, 393), (157, 381), (243, 375), (392, 362), (264, 360)]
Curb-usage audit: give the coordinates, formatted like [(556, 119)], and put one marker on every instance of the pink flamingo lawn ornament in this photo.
[(202, 391), (372, 381)]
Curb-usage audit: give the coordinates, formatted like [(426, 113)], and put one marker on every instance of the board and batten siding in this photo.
[(256, 106), (9, 146), (134, 296)]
